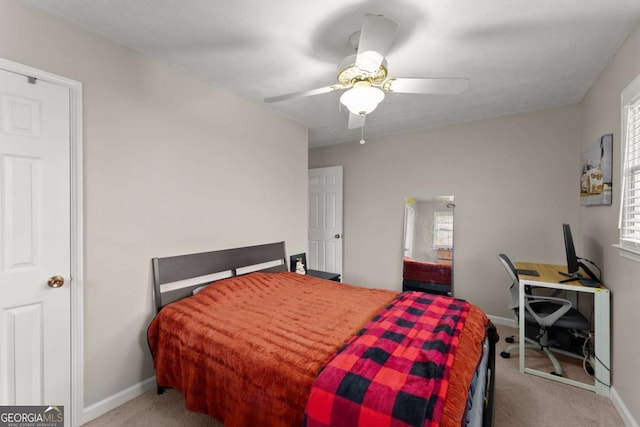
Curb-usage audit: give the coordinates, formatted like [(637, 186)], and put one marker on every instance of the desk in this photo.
[(550, 278)]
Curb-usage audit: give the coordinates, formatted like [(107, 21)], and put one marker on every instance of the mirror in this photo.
[(427, 261)]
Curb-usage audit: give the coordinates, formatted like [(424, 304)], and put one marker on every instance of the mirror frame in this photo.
[(433, 272)]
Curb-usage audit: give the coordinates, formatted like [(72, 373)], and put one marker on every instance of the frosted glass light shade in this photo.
[(362, 98)]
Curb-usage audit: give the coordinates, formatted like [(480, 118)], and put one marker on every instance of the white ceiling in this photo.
[(520, 55)]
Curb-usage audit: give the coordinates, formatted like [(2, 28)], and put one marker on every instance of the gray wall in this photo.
[(170, 167), (599, 224), (514, 182)]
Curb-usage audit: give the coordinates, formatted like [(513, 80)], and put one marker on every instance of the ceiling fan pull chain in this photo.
[(362, 141)]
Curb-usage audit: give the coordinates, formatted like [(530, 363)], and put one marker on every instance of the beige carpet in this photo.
[(521, 400), (528, 400)]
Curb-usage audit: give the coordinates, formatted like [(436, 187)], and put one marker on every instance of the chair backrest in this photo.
[(513, 274)]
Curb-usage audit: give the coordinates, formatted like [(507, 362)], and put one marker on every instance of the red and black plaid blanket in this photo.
[(395, 371)]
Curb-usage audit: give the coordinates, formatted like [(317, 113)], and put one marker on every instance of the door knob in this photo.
[(337, 236), (55, 281)]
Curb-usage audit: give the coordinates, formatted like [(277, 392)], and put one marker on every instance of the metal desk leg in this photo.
[(602, 319), (521, 326)]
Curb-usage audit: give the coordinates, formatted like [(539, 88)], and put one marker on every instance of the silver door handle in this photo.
[(337, 236), (55, 281)]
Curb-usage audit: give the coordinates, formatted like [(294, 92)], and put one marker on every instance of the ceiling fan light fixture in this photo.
[(362, 98)]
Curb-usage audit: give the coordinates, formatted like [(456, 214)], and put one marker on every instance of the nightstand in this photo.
[(293, 259), (324, 275)]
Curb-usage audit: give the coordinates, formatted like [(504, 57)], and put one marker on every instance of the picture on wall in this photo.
[(596, 172)]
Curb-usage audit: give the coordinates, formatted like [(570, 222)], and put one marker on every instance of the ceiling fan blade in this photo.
[(376, 36), (311, 92), (426, 86), (356, 120)]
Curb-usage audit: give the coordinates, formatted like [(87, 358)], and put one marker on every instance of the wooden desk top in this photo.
[(549, 273)]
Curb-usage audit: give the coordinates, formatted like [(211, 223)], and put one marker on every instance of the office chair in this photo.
[(546, 314)]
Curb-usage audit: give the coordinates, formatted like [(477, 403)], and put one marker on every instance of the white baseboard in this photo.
[(503, 321), (622, 409), (112, 402)]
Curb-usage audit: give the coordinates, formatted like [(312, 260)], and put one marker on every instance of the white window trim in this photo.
[(629, 94), (628, 253), (435, 229)]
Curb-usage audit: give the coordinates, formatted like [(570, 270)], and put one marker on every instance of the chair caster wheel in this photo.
[(505, 355), (510, 340), (556, 374)]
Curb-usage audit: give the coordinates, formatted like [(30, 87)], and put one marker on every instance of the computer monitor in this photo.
[(574, 262)]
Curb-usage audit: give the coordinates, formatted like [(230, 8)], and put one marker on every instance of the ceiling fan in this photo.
[(364, 74)]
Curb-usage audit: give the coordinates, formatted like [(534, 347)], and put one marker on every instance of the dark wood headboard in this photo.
[(184, 273)]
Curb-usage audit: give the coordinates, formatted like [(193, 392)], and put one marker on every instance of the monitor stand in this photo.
[(571, 276)]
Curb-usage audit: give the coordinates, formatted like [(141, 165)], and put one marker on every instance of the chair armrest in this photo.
[(549, 319)]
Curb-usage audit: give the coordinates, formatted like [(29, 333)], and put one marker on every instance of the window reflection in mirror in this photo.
[(428, 245)]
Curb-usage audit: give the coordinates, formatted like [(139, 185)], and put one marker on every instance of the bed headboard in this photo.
[(176, 277)]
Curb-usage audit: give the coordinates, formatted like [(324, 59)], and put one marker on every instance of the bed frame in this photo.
[(176, 277), (184, 273)]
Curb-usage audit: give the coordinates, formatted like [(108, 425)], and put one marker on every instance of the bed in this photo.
[(261, 346), (433, 277)]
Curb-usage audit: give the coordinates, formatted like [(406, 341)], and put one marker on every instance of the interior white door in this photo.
[(325, 219), (35, 330), (409, 229)]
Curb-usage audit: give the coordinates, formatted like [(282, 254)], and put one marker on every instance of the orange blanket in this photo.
[(246, 350)]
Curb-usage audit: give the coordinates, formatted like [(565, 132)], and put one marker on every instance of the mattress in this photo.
[(475, 402)]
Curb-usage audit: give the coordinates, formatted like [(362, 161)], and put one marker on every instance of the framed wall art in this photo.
[(596, 172)]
